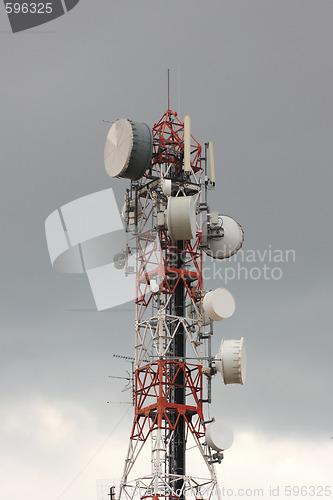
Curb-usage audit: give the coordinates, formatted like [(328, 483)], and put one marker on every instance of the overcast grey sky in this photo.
[(256, 78)]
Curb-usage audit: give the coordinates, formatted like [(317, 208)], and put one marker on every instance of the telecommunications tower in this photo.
[(167, 213), (168, 225)]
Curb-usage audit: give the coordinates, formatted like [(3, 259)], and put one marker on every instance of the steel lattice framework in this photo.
[(169, 382)]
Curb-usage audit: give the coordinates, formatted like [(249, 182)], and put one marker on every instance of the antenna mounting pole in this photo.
[(168, 89)]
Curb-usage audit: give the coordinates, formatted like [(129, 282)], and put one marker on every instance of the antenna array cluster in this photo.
[(167, 216), (168, 225)]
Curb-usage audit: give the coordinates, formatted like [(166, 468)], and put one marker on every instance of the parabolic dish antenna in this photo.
[(222, 247), (180, 218), (230, 361), (128, 149), (219, 435), (219, 304)]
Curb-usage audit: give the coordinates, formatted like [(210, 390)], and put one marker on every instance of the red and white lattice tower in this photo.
[(164, 210), (169, 225)]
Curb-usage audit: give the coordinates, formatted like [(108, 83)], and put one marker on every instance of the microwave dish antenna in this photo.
[(230, 361), (219, 435), (219, 304), (128, 149), (181, 218), (224, 238)]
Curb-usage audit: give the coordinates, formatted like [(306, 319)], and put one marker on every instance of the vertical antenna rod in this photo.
[(178, 89), (168, 89)]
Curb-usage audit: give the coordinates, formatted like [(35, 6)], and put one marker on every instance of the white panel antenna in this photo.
[(211, 162), (187, 144)]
